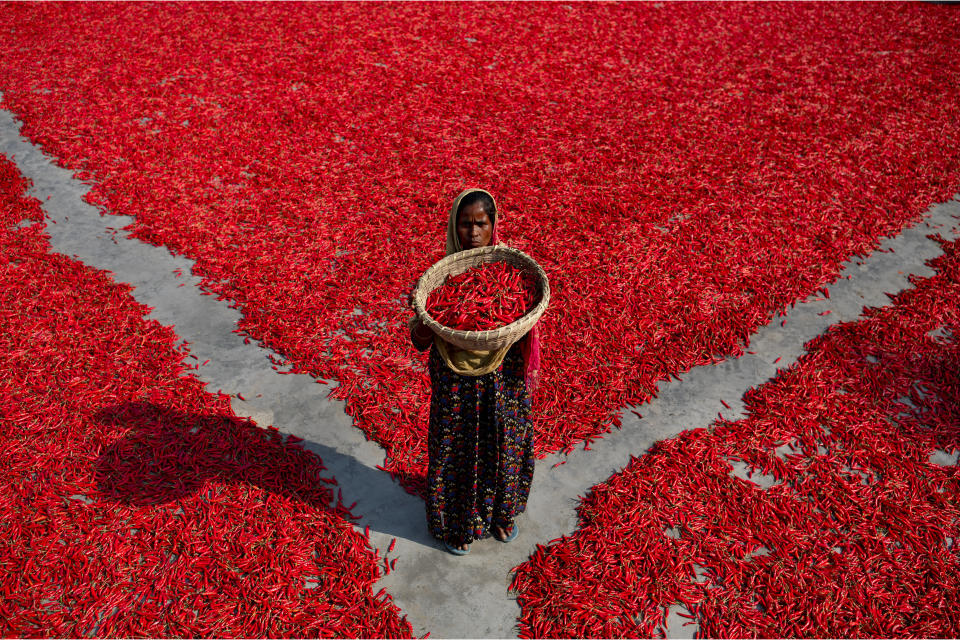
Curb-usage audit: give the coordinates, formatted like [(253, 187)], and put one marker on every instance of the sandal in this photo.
[(514, 532), (457, 552)]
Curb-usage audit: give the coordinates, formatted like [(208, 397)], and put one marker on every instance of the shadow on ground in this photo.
[(166, 455)]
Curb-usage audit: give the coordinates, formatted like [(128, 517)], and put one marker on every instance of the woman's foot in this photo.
[(457, 549), (505, 534)]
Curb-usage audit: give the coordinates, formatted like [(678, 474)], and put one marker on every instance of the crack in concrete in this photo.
[(445, 595)]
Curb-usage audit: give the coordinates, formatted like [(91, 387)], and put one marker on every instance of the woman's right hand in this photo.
[(420, 334)]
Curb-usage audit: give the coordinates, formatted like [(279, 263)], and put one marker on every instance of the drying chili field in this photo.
[(680, 171), (134, 503), (831, 510)]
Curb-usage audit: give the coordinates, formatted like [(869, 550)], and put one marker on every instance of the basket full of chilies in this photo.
[(482, 299)]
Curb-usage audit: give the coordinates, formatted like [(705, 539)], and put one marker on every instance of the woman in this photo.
[(481, 437)]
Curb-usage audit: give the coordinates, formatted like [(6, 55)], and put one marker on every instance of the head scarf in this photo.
[(453, 239), (479, 362)]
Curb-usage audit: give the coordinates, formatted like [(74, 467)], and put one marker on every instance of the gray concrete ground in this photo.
[(450, 597)]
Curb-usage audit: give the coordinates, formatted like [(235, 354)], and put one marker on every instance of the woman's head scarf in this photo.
[(453, 239), (530, 345)]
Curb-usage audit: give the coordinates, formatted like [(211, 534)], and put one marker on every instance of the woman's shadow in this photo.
[(166, 455)]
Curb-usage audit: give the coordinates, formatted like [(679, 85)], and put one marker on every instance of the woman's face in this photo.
[(474, 227)]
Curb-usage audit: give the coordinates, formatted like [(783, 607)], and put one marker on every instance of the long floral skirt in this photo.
[(480, 449)]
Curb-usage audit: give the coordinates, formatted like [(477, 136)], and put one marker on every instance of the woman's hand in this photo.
[(420, 334)]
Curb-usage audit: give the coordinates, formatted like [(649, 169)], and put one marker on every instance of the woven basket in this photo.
[(459, 262)]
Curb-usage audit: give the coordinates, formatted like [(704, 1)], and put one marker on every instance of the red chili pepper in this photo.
[(485, 297)]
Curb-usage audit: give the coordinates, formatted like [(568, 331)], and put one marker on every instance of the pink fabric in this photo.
[(529, 344), (531, 357)]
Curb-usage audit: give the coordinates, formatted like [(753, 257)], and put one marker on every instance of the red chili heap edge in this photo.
[(857, 536), (132, 502), (678, 186), (488, 296)]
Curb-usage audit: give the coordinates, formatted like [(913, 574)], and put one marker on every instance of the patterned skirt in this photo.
[(480, 449)]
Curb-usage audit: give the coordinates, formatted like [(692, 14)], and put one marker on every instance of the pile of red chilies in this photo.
[(135, 503), (488, 296), (831, 510)]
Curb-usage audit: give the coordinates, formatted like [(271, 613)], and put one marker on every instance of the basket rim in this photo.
[(489, 334)]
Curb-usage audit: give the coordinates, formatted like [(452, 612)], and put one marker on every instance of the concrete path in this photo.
[(449, 597)]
